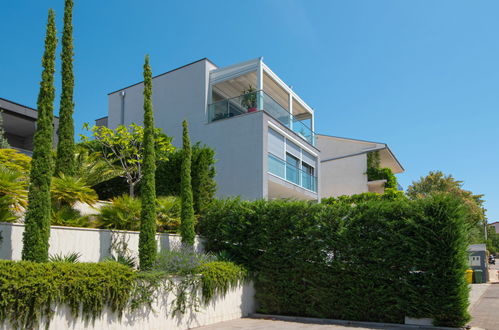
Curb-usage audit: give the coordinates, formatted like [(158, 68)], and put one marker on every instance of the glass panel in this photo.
[(292, 171), (276, 166), (256, 101)]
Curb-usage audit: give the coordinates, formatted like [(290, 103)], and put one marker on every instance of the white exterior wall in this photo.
[(93, 244), (346, 176)]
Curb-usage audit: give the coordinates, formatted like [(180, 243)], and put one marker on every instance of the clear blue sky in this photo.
[(421, 76)]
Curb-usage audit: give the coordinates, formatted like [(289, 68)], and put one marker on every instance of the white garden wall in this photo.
[(238, 302), (93, 244)]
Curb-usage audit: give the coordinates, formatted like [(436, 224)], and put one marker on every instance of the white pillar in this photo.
[(290, 102), (259, 84)]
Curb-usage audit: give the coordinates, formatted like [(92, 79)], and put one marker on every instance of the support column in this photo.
[(259, 84), (290, 106)]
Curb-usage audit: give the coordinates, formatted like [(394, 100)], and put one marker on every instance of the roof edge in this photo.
[(161, 74)]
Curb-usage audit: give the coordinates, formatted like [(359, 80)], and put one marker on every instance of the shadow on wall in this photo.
[(94, 245)]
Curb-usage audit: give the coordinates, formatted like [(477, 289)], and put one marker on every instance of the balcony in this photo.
[(291, 173), (259, 101)]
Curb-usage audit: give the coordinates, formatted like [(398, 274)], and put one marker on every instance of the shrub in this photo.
[(13, 189), (368, 260), (15, 161), (181, 260), (28, 290), (71, 257), (67, 190), (123, 213), (67, 216), (168, 219), (218, 277)]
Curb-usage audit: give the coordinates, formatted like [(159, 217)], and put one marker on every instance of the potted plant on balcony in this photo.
[(249, 99)]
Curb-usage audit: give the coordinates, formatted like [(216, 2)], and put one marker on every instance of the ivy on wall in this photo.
[(375, 172)]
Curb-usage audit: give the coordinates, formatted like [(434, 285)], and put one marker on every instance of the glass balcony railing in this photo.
[(291, 173), (257, 101)]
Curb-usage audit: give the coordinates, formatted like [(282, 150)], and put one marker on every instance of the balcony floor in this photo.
[(279, 188)]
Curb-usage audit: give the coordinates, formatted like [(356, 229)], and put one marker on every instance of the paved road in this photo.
[(259, 324), (485, 312)]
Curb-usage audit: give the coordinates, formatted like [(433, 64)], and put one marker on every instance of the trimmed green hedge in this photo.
[(378, 260)]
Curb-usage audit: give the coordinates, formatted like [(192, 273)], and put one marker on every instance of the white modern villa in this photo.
[(261, 130)]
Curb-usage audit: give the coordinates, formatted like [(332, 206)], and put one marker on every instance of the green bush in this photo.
[(181, 260), (220, 276), (373, 260), (123, 213), (28, 290)]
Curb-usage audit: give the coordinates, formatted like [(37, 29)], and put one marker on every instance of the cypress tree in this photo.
[(187, 210), (65, 162), (37, 230), (147, 237)]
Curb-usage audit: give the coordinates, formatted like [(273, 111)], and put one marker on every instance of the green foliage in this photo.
[(375, 172), (438, 182), (187, 219), (168, 217), (37, 220), (15, 160), (72, 257), (147, 236), (181, 260), (3, 140), (67, 216), (389, 194), (122, 213), (65, 161), (13, 189), (218, 277), (371, 259), (29, 290), (92, 170), (123, 147), (67, 190), (492, 240), (168, 176)]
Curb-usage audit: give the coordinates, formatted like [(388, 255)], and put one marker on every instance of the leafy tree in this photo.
[(492, 240), (123, 147), (37, 230), (3, 141), (187, 220), (203, 173), (438, 182), (65, 161), (147, 236)]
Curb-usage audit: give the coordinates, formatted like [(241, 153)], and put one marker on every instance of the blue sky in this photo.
[(421, 76)]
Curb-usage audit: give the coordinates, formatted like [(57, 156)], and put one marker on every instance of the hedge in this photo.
[(378, 260)]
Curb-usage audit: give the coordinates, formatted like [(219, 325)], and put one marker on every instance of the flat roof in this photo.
[(162, 74), (15, 104)]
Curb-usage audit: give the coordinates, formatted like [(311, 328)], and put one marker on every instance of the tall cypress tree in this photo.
[(65, 162), (37, 230), (187, 209), (147, 237)]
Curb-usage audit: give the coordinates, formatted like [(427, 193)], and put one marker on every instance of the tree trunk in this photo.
[(132, 190)]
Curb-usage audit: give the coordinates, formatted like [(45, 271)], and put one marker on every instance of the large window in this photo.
[(290, 162)]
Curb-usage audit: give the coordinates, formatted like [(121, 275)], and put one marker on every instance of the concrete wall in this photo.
[(93, 244), (237, 303)]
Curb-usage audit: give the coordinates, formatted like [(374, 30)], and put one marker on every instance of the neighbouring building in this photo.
[(261, 130), (19, 124), (495, 225)]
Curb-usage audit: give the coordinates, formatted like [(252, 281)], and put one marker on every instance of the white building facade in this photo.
[(261, 131)]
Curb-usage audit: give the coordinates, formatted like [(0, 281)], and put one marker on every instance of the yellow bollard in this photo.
[(469, 276)]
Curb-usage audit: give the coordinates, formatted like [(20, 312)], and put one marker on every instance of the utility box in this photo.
[(477, 258)]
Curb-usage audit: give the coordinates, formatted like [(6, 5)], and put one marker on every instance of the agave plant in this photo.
[(72, 257), (67, 190)]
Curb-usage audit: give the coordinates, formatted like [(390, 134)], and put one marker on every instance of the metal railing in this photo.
[(291, 173), (258, 101)]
